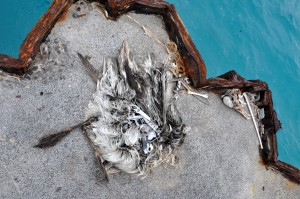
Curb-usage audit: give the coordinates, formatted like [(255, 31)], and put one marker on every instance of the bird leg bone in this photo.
[(183, 81), (253, 119), (192, 91)]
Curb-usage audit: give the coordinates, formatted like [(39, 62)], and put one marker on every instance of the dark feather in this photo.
[(52, 140), (131, 80), (95, 74), (102, 170)]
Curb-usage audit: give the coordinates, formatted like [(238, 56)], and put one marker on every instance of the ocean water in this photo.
[(259, 39), (17, 17)]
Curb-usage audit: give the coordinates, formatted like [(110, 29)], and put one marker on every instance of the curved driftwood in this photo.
[(193, 62)]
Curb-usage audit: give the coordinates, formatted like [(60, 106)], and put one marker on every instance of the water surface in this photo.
[(17, 18), (260, 40)]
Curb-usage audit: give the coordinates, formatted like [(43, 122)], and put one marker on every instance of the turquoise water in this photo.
[(259, 39), (17, 17)]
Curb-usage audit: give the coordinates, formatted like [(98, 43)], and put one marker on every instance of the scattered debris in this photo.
[(176, 57), (138, 125), (175, 64), (235, 99), (53, 51), (148, 32), (81, 8)]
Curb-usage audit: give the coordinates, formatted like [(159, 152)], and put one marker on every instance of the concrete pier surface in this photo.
[(219, 158)]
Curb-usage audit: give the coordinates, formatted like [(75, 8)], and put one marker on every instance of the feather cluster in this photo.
[(138, 125)]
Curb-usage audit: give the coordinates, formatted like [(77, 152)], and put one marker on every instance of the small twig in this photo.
[(148, 32), (253, 119)]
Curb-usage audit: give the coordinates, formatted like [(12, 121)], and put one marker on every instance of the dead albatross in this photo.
[(131, 121)]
